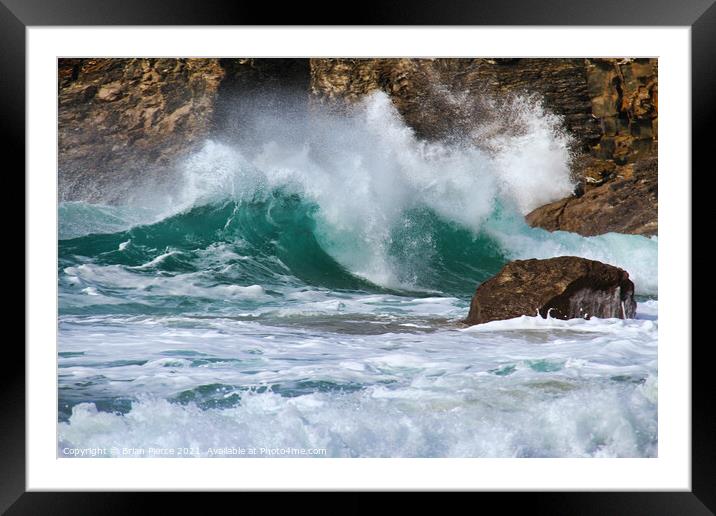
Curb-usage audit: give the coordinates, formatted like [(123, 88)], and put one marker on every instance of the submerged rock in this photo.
[(565, 287)]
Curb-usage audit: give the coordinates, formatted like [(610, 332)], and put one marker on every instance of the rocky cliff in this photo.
[(442, 97), (624, 98), (121, 118), (122, 121), (609, 105), (618, 177), (132, 118)]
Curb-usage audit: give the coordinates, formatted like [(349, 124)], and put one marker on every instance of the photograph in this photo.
[(357, 257)]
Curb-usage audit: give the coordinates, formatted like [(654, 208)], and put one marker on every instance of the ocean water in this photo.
[(306, 292)]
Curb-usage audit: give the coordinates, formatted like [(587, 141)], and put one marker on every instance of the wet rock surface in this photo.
[(565, 287), (625, 203)]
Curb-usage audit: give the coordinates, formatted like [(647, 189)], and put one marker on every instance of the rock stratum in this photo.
[(565, 287), (124, 119)]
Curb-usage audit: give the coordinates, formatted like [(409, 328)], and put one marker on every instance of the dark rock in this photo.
[(565, 287)]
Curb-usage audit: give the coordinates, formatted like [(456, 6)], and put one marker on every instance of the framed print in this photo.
[(426, 257)]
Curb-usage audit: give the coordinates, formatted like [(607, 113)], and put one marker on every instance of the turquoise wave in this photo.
[(279, 241)]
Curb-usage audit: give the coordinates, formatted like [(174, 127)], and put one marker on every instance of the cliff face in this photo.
[(121, 121), (618, 189), (624, 98), (131, 118), (431, 93), (122, 118), (608, 105)]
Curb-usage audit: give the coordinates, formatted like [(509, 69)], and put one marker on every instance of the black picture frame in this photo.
[(700, 15)]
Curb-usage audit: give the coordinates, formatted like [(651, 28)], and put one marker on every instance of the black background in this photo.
[(15, 15)]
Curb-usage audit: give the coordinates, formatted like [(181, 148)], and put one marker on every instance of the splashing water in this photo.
[(295, 291)]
